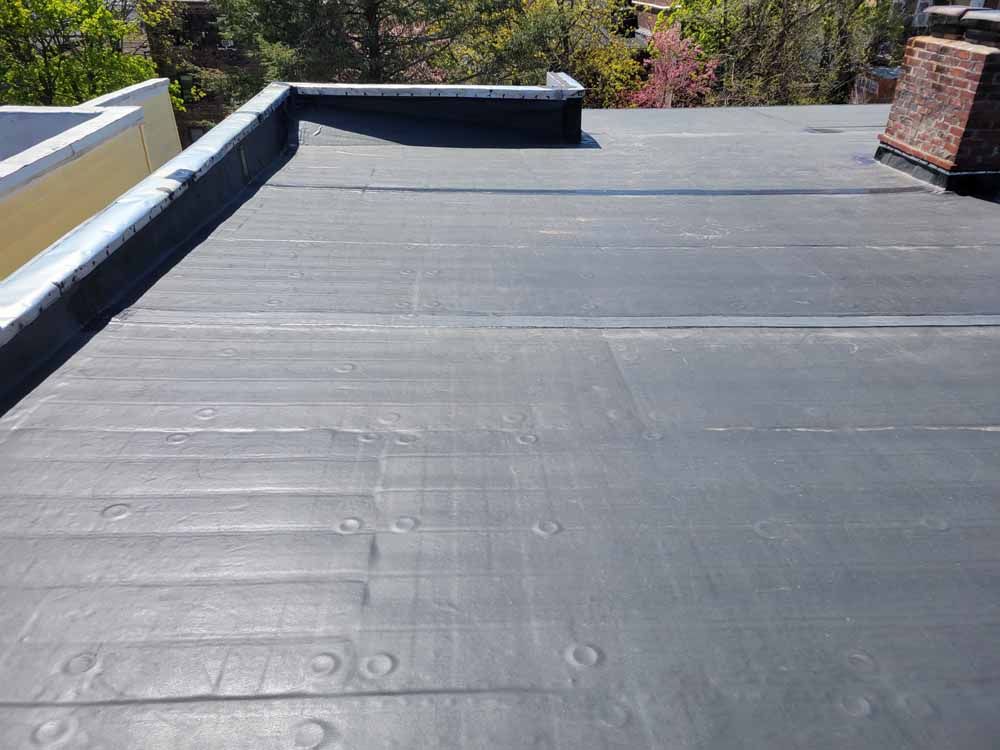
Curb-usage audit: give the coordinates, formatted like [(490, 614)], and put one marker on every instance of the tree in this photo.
[(166, 40), (789, 51), (437, 41), (64, 52), (535, 36), (679, 72), (353, 40)]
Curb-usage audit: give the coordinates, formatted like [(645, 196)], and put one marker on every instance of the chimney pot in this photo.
[(982, 26), (946, 20)]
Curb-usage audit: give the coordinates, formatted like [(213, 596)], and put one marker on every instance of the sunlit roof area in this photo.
[(468, 415)]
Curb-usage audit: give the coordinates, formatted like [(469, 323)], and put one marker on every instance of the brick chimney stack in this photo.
[(944, 126)]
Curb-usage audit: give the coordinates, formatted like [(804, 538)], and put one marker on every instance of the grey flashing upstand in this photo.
[(981, 183), (548, 113)]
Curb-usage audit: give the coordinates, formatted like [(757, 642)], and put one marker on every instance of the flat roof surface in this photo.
[(447, 446)]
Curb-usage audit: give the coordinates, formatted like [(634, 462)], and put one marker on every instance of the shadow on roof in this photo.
[(133, 287), (341, 127)]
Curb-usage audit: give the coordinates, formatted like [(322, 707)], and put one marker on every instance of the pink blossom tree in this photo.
[(679, 72)]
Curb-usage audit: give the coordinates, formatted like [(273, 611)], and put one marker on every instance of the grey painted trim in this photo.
[(55, 271), (132, 95), (467, 321), (559, 86), (107, 122)]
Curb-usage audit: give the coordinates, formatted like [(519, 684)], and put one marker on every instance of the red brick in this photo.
[(947, 107)]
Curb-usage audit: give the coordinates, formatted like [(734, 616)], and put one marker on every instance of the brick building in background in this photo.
[(646, 13), (202, 58)]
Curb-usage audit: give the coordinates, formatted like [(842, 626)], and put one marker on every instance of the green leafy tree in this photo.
[(437, 41), (353, 40), (535, 36), (163, 39), (64, 52), (790, 51)]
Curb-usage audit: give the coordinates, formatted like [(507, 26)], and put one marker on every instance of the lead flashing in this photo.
[(982, 183)]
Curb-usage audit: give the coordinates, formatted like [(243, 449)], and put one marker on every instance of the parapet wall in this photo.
[(93, 268), (549, 113)]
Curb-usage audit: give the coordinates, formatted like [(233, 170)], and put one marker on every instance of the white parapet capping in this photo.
[(56, 270), (559, 86), (565, 82), (103, 124), (131, 95)]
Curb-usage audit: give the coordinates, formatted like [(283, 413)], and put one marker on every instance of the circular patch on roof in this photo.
[(379, 665), (311, 734), (323, 665), (350, 526), (583, 655)]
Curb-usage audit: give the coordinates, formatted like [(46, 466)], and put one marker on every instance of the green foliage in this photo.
[(536, 36), (232, 86), (769, 51), (489, 41), (177, 96), (171, 46), (353, 40), (790, 51), (64, 52), (708, 23), (600, 60), (160, 20), (516, 49), (610, 73)]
